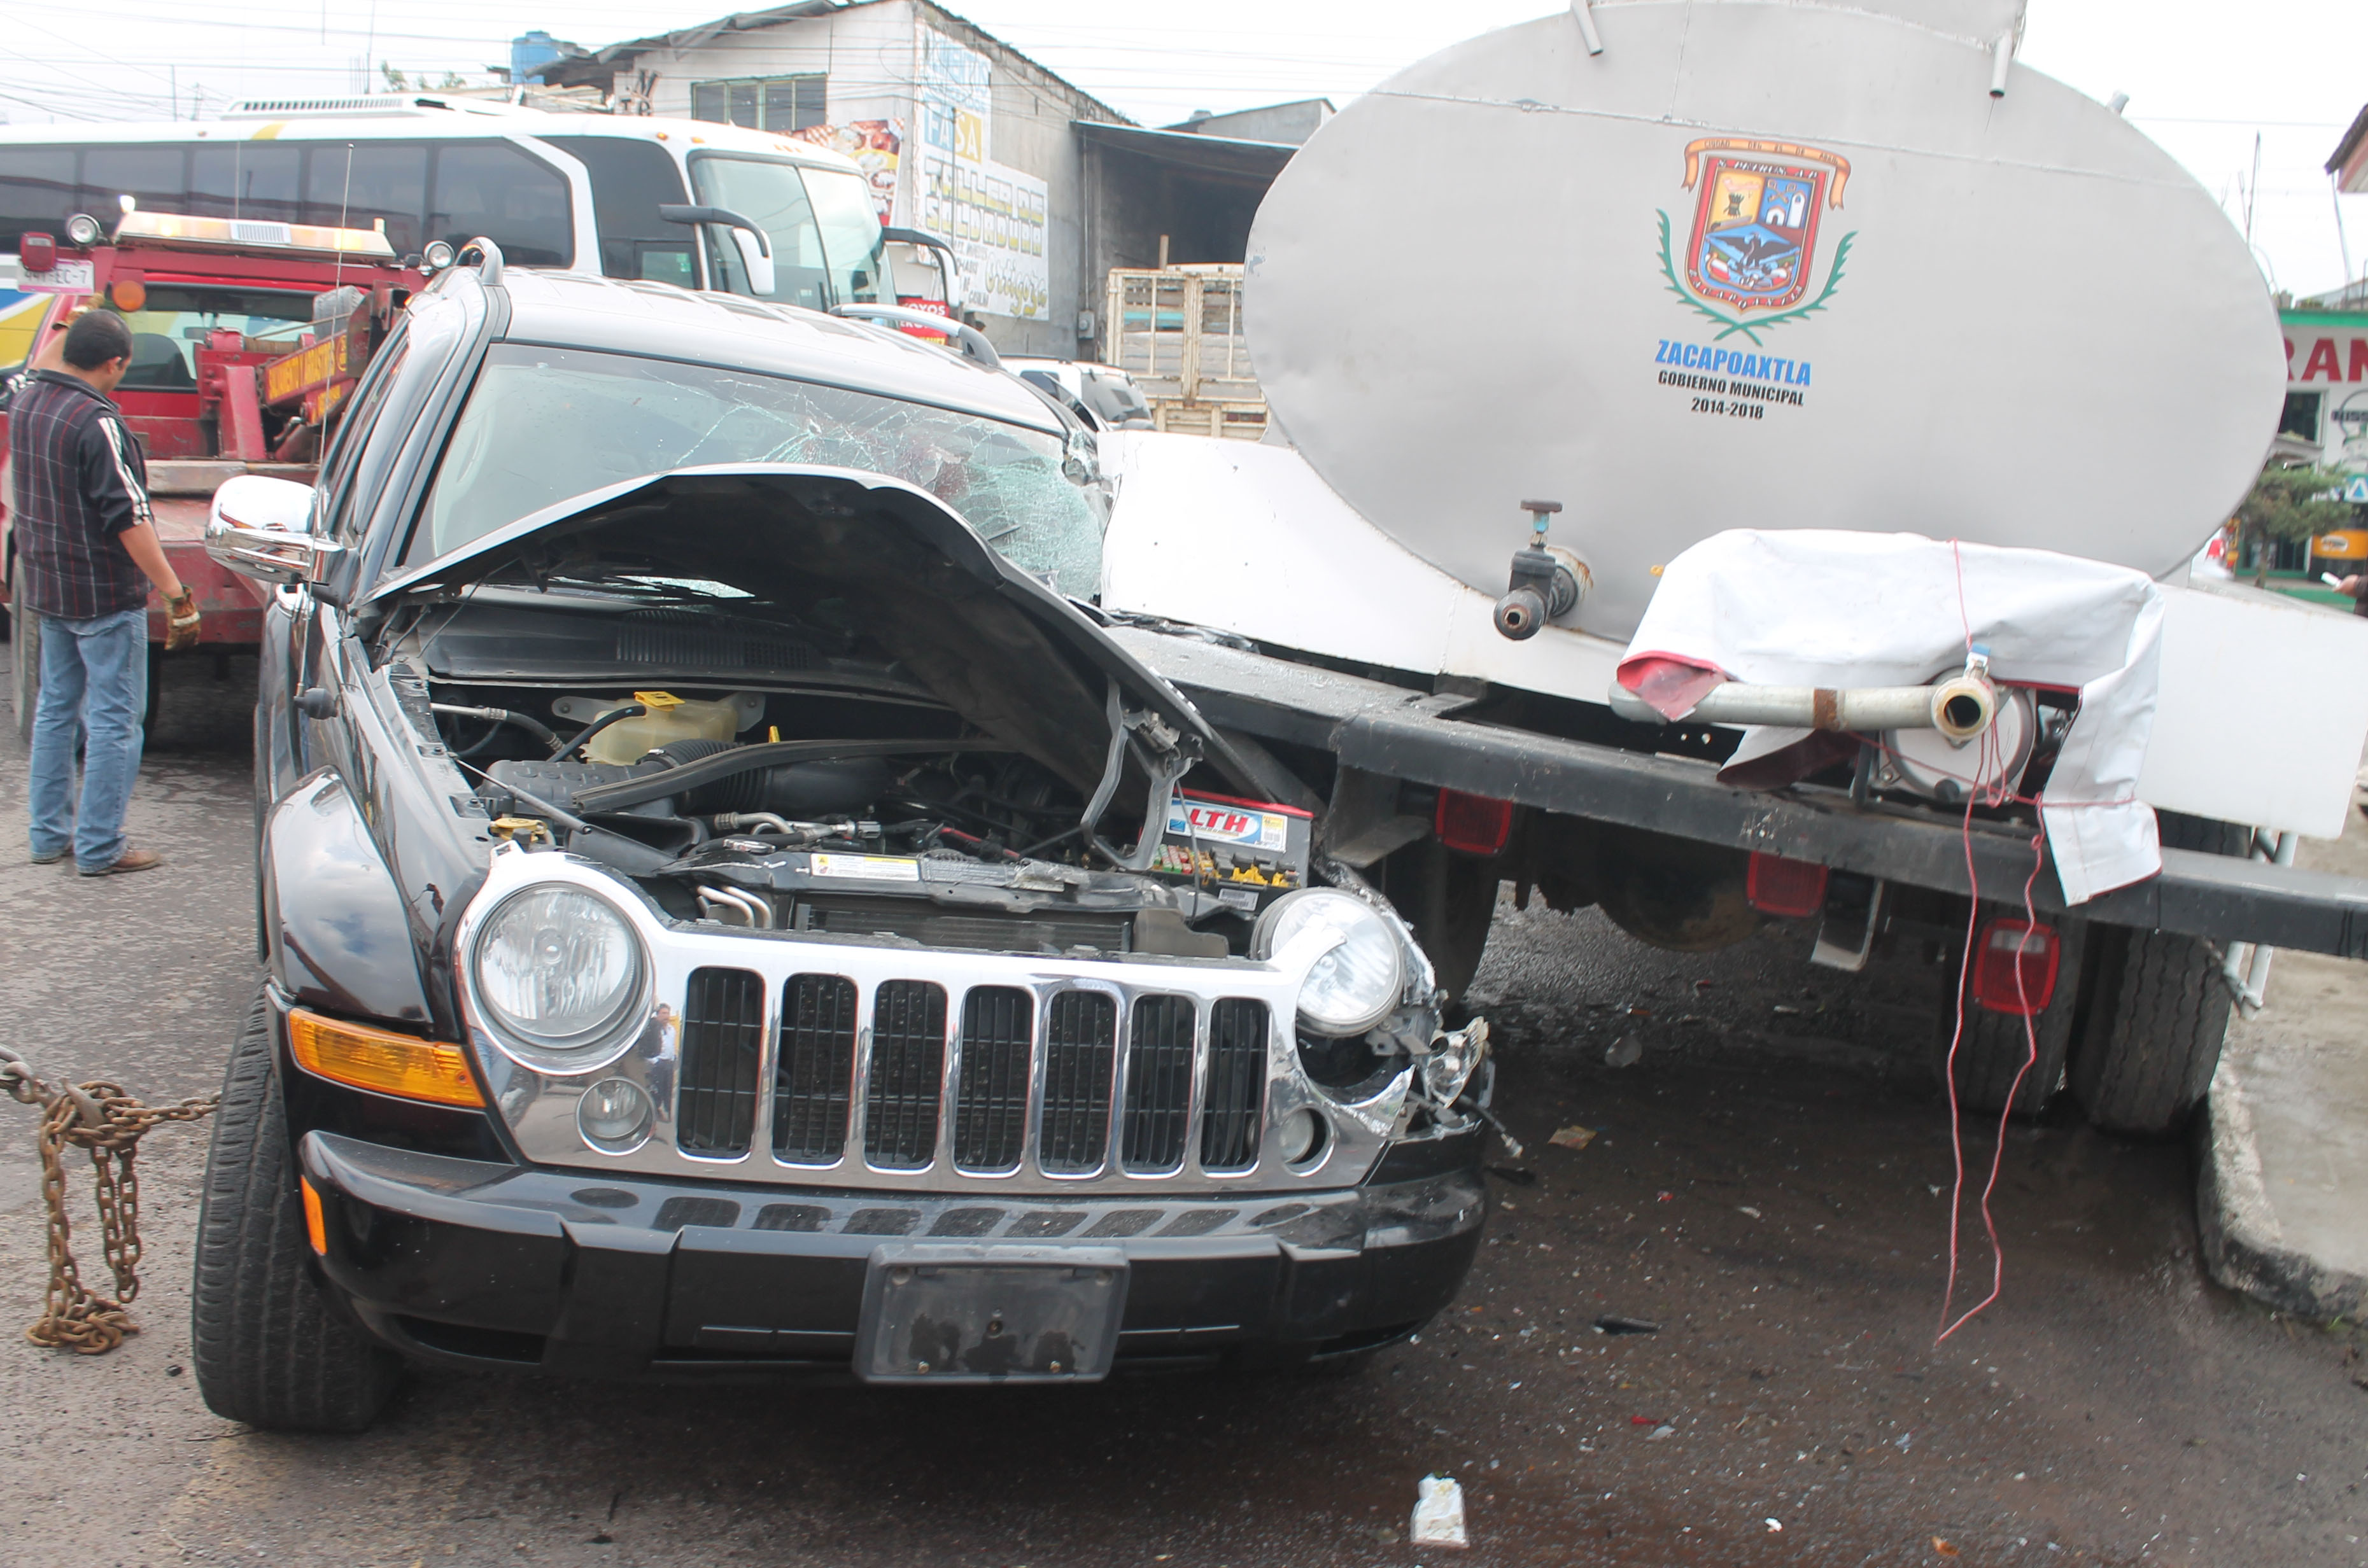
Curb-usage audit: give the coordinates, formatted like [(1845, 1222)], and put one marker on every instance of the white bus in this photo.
[(678, 201)]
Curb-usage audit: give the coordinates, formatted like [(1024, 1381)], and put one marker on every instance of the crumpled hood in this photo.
[(1000, 647)]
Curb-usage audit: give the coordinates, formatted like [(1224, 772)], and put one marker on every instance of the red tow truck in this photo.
[(246, 338)]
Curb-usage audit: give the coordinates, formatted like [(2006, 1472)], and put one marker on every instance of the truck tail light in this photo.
[(2014, 967), (1473, 825), (1791, 890), (37, 253)]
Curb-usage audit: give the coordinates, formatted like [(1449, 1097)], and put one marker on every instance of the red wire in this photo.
[(2001, 792)]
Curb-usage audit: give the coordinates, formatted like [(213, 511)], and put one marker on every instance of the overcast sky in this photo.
[(2204, 80)]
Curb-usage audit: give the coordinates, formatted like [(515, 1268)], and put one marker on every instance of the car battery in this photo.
[(1248, 852)]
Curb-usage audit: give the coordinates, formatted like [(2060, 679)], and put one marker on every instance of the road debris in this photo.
[(1657, 1433), (1944, 1548), (1609, 1325), (1626, 1052), (1572, 1137), (1438, 1513), (1747, 1208), (1775, 1526)]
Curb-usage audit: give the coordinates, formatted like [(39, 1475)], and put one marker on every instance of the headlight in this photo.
[(1352, 987), (562, 979)]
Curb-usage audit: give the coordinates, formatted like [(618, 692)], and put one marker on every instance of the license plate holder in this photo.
[(964, 1313)]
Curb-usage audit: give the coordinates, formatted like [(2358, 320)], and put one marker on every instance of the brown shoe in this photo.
[(130, 860)]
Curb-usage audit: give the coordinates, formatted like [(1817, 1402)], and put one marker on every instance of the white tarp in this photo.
[(1830, 608)]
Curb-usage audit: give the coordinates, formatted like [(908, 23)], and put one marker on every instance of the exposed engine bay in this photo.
[(783, 721)]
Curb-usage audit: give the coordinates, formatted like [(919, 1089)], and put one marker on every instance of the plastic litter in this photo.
[(1747, 1208), (1626, 1052), (1572, 1137), (1438, 1513), (1775, 1526), (1944, 1548), (1657, 1433), (1625, 1325)]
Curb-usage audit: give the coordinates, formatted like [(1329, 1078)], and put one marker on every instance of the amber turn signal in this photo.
[(381, 1060), (315, 1228)]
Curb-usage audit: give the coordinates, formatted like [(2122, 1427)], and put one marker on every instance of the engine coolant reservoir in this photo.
[(669, 719)]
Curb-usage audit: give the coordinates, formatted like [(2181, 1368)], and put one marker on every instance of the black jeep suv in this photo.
[(729, 908)]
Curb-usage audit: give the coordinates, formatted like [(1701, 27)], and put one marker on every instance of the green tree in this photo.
[(2290, 502), (395, 82)]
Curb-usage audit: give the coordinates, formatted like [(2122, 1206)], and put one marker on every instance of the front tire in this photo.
[(269, 1349)]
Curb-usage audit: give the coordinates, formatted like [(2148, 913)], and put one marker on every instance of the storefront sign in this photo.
[(995, 216)]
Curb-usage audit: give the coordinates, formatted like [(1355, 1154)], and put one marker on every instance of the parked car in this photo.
[(726, 911), (1103, 396)]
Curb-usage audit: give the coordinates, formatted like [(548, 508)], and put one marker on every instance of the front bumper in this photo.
[(629, 1276)]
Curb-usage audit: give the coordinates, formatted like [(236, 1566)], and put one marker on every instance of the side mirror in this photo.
[(756, 256), (257, 527)]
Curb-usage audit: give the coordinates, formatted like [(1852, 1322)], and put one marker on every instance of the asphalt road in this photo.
[(1768, 1183)]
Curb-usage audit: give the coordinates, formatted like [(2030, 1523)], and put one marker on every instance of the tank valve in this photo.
[(1546, 582)]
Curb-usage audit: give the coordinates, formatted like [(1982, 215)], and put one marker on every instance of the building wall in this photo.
[(869, 52)]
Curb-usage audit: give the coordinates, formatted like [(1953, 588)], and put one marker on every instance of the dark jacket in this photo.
[(79, 483)]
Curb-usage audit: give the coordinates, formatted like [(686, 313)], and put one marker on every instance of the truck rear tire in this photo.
[(270, 1350), (2158, 1014), (1995, 1046), (24, 670)]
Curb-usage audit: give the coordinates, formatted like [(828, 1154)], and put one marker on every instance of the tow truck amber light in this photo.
[(2014, 967), (316, 1230), (178, 228), (1789, 889), (381, 1060), (1473, 825)]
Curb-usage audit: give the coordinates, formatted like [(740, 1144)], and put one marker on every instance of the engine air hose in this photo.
[(733, 761), (799, 790)]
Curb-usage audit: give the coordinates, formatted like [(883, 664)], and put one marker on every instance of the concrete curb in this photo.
[(2244, 1244)]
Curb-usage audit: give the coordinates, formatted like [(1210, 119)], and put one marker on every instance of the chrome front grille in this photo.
[(908, 1064), (813, 1083), (981, 1091), (991, 1093), (1159, 1083), (722, 1048), (1080, 1056), (1229, 1127), (867, 1064)]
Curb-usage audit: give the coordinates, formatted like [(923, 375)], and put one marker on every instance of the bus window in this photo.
[(630, 180), (37, 187), (505, 194), (156, 178), (850, 235), (808, 236), (246, 179), (353, 184)]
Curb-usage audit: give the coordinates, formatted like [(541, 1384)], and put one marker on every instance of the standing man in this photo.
[(86, 550)]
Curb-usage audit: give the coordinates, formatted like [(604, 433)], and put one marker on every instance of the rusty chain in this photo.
[(99, 1116)]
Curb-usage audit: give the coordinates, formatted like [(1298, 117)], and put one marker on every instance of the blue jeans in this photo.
[(93, 685)]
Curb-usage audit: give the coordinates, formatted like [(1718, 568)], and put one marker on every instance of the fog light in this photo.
[(1299, 1137), (614, 1116)]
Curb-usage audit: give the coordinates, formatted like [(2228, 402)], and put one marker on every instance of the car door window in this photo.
[(345, 519)]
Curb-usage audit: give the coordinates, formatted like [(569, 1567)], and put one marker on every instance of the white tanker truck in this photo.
[(1781, 508)]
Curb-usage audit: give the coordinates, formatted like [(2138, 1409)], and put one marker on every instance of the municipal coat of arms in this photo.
[(1754, 245)]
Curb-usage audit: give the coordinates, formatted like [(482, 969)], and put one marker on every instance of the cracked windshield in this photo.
[(544, 425)]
